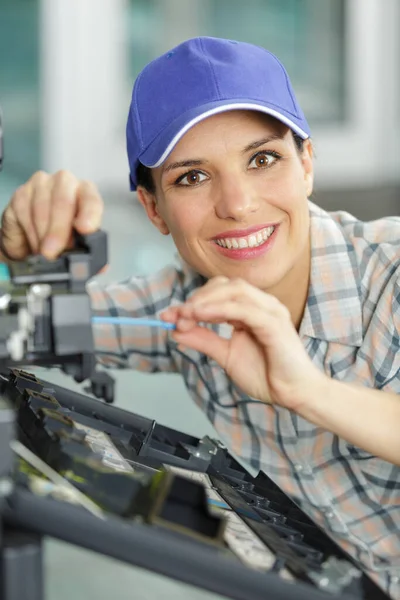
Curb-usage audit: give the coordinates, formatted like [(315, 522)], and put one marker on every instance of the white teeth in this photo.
[(251, 241)]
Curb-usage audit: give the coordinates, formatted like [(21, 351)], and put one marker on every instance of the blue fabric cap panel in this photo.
[(196, 76)]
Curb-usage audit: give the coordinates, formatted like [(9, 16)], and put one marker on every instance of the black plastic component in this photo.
[(28, 405), (179, 504), (175, 448), (102, 385), (65, 449), (33, 400), (72, 328), (176, 535), (160, 551), (113, 491), (20, 381), (7, 433), (95, 245), (46, 316), (70, 271)]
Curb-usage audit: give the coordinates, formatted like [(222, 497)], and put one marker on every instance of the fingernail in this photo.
[(50, 247), (87, 223), (184, 323)]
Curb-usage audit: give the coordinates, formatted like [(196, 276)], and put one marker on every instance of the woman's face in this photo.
[(233, 195)]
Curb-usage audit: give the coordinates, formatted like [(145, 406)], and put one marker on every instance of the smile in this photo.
[(251, 241)]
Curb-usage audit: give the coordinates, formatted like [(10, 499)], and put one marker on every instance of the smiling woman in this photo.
[(286, 317)]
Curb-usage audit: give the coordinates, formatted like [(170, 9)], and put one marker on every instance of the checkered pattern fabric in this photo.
[(350, 329)]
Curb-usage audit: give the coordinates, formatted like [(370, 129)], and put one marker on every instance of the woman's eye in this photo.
[(262, 160), (191, 178)]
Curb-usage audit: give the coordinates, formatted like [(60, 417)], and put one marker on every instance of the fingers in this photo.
[(90, 208), (173, 315), (263, 324), (220, 289), (216, 283), (205, 341), (235, 302), (39, 203), (54, 208), (42, 214), (18, 234), (74, 205)]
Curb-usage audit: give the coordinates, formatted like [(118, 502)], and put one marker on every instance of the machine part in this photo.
[(335, 575), (55, 477)]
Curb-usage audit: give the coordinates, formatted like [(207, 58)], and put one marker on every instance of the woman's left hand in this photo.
[(264, 356)]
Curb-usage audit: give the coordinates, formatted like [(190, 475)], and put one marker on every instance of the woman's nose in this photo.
[(235, 200)]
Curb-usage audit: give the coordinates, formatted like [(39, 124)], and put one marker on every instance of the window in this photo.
[(19, 86), (306, 35), (342, 56)]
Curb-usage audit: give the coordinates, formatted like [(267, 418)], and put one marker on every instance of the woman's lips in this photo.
[(237, 233), (249, 252)]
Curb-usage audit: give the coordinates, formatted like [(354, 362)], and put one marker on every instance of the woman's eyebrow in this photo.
[(197, 162), (185, 163), (266, 140)]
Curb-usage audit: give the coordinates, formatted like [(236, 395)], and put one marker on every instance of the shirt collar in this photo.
[(334, 307)]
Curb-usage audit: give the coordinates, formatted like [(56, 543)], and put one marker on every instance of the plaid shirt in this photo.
[(350, 329)]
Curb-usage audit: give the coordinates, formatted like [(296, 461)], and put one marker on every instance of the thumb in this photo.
[(205, 341)]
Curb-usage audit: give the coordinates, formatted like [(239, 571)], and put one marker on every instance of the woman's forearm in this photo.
[(367, 418)]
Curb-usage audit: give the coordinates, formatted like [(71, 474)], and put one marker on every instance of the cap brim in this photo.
[(165, 142)]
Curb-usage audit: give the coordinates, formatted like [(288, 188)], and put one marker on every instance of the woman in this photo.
[(287, 326)]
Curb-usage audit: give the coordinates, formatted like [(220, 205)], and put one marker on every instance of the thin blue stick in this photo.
[(132, 321)]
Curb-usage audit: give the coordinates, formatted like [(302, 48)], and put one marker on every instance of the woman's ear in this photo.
[(308, 166), (149, 203)]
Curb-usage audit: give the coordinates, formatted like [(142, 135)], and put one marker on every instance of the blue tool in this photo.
[(141, 322)]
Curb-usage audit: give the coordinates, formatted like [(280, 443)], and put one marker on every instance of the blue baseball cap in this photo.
[(199, 78)]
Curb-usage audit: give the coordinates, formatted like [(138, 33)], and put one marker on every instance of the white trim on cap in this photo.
[(226, 107)]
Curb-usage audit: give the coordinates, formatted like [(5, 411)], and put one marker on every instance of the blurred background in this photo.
[(66, 74)]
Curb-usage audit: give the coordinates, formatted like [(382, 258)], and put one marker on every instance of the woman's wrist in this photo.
[(316, 400)]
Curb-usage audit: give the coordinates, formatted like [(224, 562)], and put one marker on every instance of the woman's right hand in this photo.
[(43, 213)]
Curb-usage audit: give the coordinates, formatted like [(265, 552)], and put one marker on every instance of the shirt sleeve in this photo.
[(388, 336), (129, 346)]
